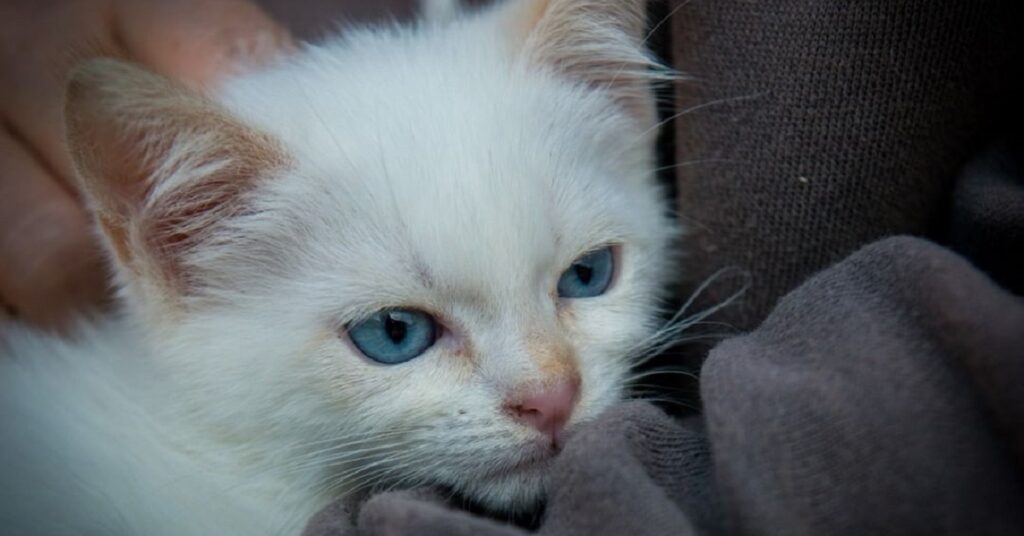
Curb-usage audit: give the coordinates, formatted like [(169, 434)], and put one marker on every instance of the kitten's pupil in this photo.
[(395, 329), (584, 273)]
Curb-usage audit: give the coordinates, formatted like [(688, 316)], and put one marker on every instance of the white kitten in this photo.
[(401, 257)]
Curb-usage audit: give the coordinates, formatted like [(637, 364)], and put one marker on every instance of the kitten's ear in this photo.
[(161, 165), (597, 42)]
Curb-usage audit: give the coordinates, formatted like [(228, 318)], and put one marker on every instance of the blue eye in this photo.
[(589, 276), (394, 336)]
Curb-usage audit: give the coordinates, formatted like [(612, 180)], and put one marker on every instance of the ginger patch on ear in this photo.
[(161, 165), (599, 43)]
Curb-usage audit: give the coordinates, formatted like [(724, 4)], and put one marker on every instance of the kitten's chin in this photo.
[(510, 490)]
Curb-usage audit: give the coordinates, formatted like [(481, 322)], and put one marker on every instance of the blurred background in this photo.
[(310, 19)]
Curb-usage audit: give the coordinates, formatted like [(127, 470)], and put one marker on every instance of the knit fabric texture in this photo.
[(811, 128)]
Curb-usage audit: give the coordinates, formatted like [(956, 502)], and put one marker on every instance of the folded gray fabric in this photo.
[(880, 397)]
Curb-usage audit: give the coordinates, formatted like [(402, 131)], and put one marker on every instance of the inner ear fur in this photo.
[(160, 164), (596, 42)]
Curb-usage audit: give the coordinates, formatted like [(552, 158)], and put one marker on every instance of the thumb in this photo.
[(199, 41)]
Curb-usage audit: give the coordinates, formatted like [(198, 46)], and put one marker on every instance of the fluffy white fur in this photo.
[(455, 167)]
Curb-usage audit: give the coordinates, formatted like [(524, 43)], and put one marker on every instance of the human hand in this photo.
[(50, 262)]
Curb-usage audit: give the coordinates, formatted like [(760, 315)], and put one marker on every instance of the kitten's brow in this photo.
[(423, 274)]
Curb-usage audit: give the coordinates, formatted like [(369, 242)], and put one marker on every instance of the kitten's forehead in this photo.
[(441, 164), (474, 216)]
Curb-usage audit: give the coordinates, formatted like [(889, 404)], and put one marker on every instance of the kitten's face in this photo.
[(396, 292)]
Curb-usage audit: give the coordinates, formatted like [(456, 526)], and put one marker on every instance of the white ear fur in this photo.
[(160, 164), (597, 42)]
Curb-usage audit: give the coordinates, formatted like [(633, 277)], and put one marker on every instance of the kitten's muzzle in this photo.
[(546, 409)]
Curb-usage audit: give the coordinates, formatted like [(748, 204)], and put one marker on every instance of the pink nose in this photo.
[(547, 409)]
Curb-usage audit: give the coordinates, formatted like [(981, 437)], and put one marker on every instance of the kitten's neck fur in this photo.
[(93, 439)]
